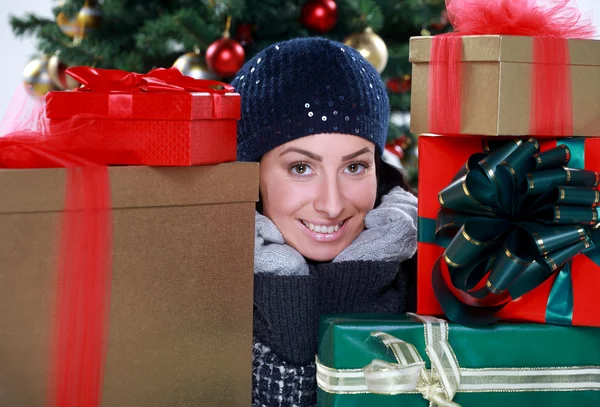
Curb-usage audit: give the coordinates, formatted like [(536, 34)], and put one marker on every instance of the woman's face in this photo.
[(317, 190)]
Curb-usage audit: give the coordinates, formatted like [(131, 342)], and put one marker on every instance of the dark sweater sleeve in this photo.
[(408, 277), (287, 308), (367, 287), (285, 311)]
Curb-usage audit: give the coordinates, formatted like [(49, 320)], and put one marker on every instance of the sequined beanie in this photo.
[(308, 86)]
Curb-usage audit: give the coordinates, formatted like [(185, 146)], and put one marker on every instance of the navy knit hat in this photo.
[(308, 86)]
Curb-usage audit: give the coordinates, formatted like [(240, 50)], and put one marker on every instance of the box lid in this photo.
[(141, 105), (43, 190), (504, 48)]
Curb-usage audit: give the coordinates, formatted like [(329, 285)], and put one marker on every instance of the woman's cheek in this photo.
[(287, 196), (362, 193)]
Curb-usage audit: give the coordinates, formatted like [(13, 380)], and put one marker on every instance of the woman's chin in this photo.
[(320, 254)]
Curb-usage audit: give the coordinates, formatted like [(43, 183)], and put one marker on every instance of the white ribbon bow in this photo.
[(409, 375), (440, 384)]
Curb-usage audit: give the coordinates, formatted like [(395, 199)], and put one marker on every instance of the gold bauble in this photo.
[(86, 20), (36, 78), (371, 47), (90, 16), (193, 64), (67, 26), (58, 75)]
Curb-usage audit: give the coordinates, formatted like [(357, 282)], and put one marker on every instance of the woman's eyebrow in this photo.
[(301, 151), (356, 154)]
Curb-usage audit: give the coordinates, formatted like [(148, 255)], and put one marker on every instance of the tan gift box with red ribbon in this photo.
[(179, 326), (496, 86)]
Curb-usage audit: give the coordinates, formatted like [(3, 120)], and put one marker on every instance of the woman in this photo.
[(335, 227)]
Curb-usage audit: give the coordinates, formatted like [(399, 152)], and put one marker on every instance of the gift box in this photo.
[(496, 87), (565, 295), (374, 360), (179, 325), (157, 119)]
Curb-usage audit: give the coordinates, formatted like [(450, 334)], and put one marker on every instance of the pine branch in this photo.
[(30, 25)]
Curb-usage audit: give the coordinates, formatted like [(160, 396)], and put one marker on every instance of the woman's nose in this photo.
[(329, 198)]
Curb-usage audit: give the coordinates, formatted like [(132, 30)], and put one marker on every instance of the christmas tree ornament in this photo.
[(443, 23), (371, 47), (89, 17), (36, 78), (399, 84), (243, 34), (193, 64), (67, 25), (58, 76), (319, 15), (225, 56), (395, 149), (86, 20)]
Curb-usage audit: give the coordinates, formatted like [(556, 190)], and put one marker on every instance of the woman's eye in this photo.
[(356, 168), (301, 169)]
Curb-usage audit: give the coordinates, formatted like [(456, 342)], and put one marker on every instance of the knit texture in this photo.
[(390, 230), (287, 308), (308, 86), (271, 253), (278, 383), (285, 341)]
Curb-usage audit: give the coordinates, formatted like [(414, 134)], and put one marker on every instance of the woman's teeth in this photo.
[(322, 229)]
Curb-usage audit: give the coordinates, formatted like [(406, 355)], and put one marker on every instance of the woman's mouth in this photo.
[(323, 233), (324, 229)]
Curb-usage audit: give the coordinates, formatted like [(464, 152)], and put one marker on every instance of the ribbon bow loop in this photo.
[(437, 385), (510, 221), (408, 374), (157, 80)]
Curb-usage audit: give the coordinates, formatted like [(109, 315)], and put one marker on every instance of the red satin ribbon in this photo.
[(157, 80), (84, 270), (83, 291), (551, 94)]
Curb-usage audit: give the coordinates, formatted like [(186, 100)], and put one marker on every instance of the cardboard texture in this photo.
[(496, 85), (181, 305), (453, 152)]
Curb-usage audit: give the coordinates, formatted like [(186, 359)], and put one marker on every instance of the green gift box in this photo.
[(412, 360)]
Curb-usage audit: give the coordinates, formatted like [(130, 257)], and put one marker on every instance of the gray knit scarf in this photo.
[(390, 234)]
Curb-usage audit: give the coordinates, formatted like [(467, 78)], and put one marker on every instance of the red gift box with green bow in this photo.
[(508, 229)]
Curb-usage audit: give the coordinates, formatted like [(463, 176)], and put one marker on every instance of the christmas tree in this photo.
[(211, 39)]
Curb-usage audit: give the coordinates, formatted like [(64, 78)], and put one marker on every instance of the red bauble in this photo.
[(319, 15), (225, 57), (243, 34), (399, 85), (396, 150)]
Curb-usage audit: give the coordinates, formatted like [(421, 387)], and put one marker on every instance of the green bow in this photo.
[(510, 219)]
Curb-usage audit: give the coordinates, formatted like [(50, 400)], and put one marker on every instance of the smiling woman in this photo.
[(335, 225), (317, 190)]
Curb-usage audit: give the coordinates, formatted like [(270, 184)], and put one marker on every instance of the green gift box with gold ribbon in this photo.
[(413, 361), (508, 229)]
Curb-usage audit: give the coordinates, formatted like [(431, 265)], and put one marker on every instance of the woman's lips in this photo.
[(323, 237)]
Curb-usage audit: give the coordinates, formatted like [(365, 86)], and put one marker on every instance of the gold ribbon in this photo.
[(439, 384)]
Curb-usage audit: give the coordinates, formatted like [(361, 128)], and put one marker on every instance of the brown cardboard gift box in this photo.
[(496, 85), (180, 327)]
